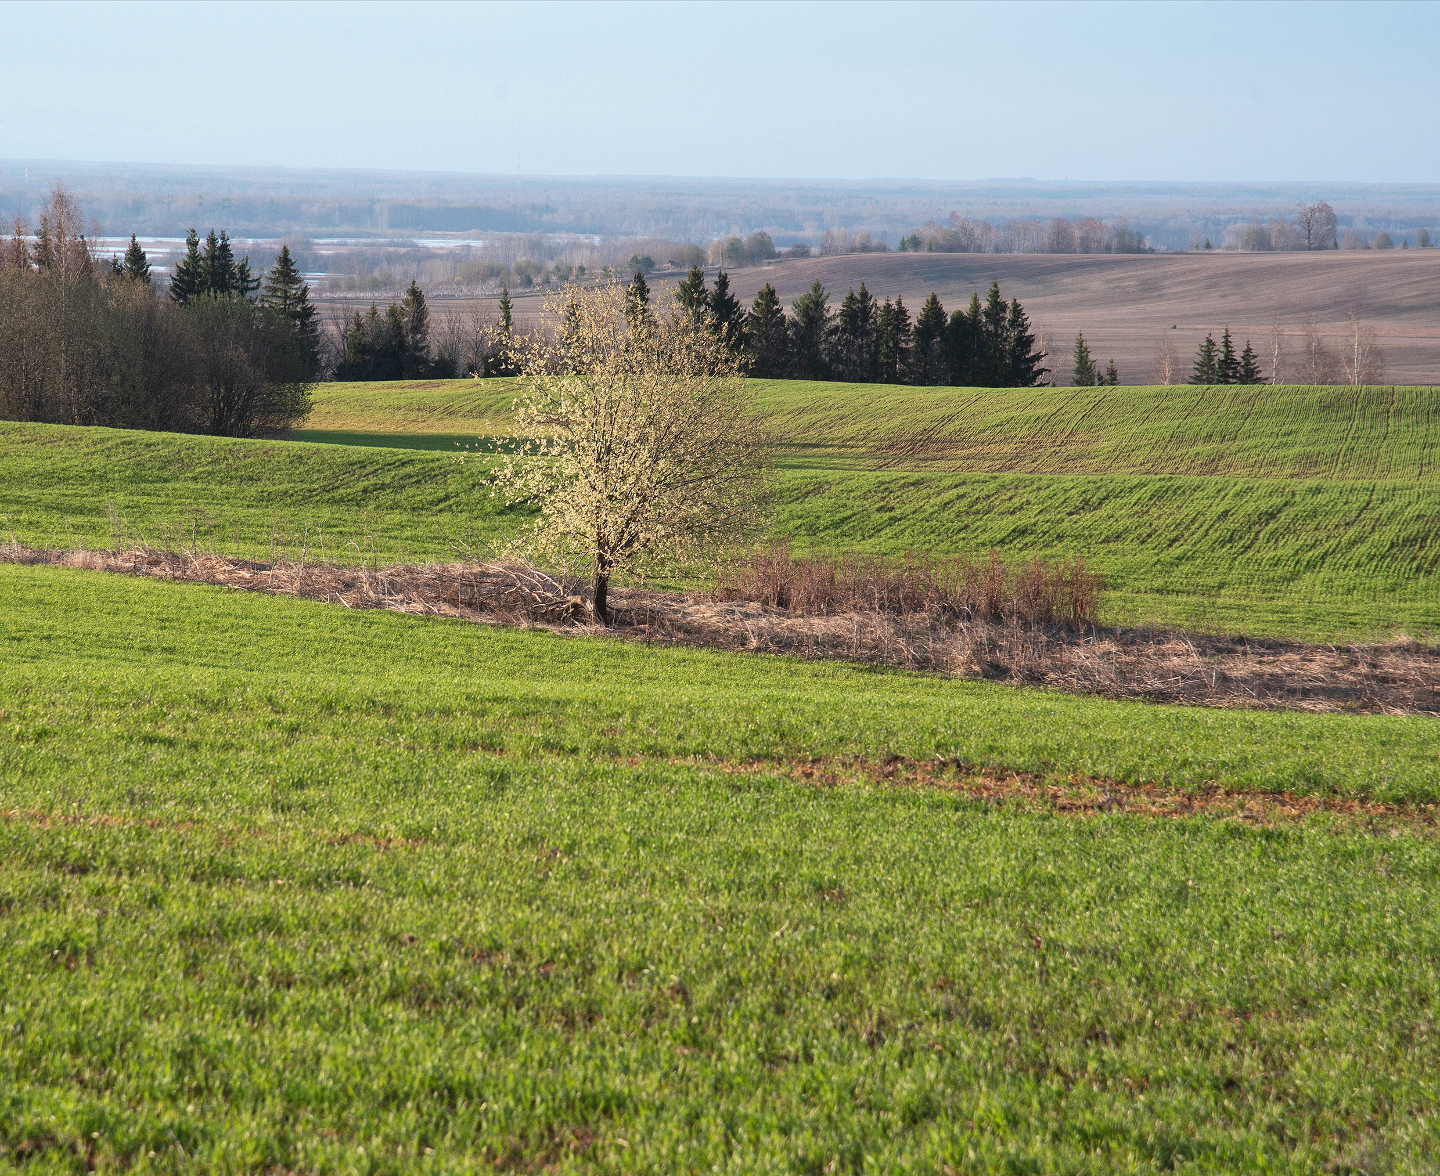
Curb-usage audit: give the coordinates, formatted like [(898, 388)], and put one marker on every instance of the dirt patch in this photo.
[(1080, 795), (1400, 677)]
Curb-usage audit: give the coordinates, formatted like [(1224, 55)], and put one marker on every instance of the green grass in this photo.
[(1382, 433), (289, 886), (1296, 512), (242, 497)]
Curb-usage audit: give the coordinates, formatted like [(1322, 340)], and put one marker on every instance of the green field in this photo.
[(1305, 512), (289, 887)]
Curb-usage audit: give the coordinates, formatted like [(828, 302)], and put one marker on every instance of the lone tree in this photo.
[(640, 441)]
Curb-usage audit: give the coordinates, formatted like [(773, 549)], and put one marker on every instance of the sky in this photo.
[(1102, 91)]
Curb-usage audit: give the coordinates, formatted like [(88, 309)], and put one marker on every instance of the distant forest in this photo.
[(864, 340)]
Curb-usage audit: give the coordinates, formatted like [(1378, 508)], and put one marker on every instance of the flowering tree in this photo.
[(640, 439)]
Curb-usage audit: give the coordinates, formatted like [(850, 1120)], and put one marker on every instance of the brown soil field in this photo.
[(1125, 303)]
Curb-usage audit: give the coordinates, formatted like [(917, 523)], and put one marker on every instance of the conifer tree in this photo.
[(637, 300), (929, 331), (1250, 372), (855, 335), (137, 265), (1112, 376), (691, 296), (219, 263), (505, 309), (811, 332), (1025, 360), (1207, 363), (1085, 376), (1228, 368), (188, 280), (993, 354), (767, 335), (728, 313), (964, 344), (287, 292), (414, 318), (892, 342)]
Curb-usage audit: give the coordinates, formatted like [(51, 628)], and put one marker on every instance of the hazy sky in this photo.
[(929, 91)]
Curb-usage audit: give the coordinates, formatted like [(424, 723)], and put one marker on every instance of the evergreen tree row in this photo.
[(864, 340), (216, 273), (393, 344), (1220, 365)]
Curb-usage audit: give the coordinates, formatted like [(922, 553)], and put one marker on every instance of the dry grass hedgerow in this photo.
[(909, 627)]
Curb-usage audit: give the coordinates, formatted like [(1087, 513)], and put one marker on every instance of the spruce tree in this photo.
[(1084, 376), (1228, 369), (729, 315), (1250, 372), (219, 263), (929, 331), (637, 300), (691, 296), (188, 280), (505, 309), (1112, 377), (962, 346), (137, 265), (811, 333), (993, 353), (892, 342), (767, 335), (855, 336), (1207, 363), (287, 292), (414, 331), (1025, 359)]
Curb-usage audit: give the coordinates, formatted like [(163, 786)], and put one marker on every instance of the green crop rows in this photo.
[(1308, 512), (289, 887)]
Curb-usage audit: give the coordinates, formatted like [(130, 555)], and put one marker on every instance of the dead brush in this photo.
[(1032, 594)]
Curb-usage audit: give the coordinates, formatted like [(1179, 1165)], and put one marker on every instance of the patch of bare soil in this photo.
[(1401, 677), (1087, 796)]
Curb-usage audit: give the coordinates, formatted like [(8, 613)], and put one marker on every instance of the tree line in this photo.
[(865, 340), (219, 351)]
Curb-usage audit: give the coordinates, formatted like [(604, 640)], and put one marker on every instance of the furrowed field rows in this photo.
[(1383, 433), (1254, 432)]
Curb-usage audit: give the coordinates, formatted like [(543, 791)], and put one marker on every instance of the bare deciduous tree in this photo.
[(1316, 364), (1362, 361), (1277, 349), (1165, 363), (642, 445), (1315, 225)]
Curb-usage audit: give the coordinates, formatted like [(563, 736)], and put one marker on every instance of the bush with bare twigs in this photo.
[(1031, 593)]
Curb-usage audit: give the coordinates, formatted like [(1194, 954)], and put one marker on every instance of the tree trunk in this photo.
[(602, 587)]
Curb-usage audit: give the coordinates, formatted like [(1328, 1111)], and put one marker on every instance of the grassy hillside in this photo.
[(286, 886), (1229, 432), (1306, 512), (1256, 432)]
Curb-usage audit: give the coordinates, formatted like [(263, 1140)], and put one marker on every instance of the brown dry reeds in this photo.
[(1033, 593), (1398, 677)]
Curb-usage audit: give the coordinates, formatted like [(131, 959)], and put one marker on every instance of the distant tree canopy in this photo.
[(87, 344), (393, 344), (864, 340)]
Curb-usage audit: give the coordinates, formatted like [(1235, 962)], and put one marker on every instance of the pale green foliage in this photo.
[(640, 443)]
